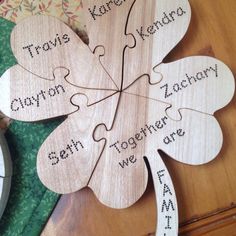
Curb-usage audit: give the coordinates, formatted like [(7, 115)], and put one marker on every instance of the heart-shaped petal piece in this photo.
[(27, 97), (43, 43), (157, 27), (120, 177), (67, 158), (200, 83), (106, 25)]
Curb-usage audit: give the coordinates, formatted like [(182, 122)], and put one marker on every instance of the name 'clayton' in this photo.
[(161, 23), (37, 100)]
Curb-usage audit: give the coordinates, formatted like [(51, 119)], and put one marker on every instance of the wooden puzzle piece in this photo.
[(199, 83), (106, 27), (5, 173), (27, 97), (166, 202), (157, 27), (67, 158), (42, 43), (120, 177)]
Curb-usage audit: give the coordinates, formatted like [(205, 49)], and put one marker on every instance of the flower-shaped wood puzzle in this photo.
[(123, 103)]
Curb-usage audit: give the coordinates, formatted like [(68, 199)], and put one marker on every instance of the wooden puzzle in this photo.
[(123, 104), (5, 173)]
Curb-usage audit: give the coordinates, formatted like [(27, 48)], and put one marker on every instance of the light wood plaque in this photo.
[(123, 104)]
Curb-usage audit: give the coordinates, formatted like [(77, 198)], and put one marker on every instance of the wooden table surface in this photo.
[(206, 194)]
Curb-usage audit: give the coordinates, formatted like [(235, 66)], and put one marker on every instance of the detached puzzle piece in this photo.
[(67, 158), (5, 173), (141, 128), (157, 27), (53, 44), (198, 83), (105, 23)]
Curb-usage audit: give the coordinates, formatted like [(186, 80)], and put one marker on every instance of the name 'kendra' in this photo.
[(158, 24)]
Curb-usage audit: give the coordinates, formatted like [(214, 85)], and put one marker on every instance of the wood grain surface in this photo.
[(206, 194), (40, 56)]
